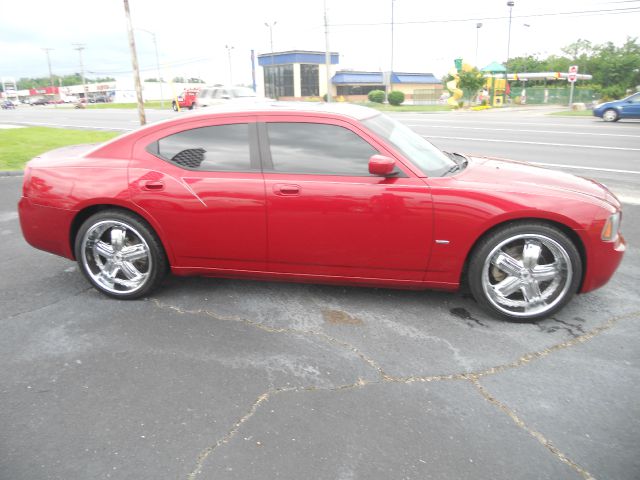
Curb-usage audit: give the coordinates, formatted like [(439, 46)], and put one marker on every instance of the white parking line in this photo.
[(534, 143), (526, 130), (599, 125)]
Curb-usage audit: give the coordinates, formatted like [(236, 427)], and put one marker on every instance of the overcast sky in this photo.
[(192, 34)]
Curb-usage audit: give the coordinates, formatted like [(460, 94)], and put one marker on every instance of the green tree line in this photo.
[(615, 70)]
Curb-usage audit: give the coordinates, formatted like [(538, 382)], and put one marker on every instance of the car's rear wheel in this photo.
[(525, 272), (174, 106), (192, 106), (120, 254), (610, 115)]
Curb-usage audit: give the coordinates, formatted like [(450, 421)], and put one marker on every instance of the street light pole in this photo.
[(392, 39), (478, 27), (327, 54), (229, 48), (155, 45), (271, 74), (510, 5)]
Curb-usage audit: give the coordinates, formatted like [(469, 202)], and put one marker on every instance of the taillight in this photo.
[(26, 181)]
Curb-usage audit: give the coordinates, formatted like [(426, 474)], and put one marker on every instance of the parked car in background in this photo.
[(99, 99), (221, 95), (7, 105), (186, 99), (39, 101), (613, 111), (325, 193)]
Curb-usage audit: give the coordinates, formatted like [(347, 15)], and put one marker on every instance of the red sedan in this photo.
[(321, 193)]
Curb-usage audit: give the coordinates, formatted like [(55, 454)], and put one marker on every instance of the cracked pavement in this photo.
[(225, 379)]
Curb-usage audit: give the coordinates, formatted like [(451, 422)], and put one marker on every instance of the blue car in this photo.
[(613, 111)]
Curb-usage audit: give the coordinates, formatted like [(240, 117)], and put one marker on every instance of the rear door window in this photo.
[(216, 148)]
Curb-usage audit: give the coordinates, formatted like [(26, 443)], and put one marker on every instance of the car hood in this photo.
[(522, 177)]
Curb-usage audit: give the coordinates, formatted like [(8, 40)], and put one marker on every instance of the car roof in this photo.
[(264, 107)]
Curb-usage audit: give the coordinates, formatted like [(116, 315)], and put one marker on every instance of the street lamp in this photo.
[(478, 27), (229, 48), (155, 45), (271, 25), (270, 74), (510, 5)]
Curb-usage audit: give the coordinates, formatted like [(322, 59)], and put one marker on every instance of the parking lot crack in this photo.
[(534, 433), (289, 331), (50, 304)]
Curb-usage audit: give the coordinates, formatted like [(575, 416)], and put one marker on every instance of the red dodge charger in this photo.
[(319, 193)]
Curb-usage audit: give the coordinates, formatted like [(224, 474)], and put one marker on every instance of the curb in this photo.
[(11, 173)]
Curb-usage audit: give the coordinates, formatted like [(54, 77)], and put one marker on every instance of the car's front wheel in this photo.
[(174, 106), (120, 254), (525, 272), (610, 115)]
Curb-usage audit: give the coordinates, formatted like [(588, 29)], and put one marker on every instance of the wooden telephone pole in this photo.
[(134, 62)]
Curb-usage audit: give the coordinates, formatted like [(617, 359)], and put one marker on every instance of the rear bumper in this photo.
[(46, 228), (602, 262)]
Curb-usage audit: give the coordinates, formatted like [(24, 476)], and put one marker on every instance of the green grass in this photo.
[(19, 145), (573, 113), (152, 104), (384, 107)]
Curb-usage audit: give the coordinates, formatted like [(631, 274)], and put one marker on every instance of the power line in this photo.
[(475, 19)]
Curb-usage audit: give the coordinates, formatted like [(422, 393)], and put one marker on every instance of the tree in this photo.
[(470, 82)]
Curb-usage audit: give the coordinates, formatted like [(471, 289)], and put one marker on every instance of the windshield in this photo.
[(432, 162), (243, 92)]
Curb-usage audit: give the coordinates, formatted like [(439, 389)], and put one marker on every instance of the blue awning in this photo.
[(377, 78)]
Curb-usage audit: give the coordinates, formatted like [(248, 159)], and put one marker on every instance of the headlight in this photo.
[(611, 228)]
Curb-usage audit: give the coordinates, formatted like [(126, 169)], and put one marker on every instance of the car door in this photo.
[(202, 184), (631, 107), (328, 216)]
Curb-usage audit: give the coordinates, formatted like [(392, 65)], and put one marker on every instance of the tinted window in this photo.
[(219, 148), (317, 148)]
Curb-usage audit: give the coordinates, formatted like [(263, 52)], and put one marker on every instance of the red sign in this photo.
[(573, 73), (43, 91)]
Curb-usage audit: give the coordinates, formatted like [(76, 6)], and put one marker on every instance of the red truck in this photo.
[(187, 99)]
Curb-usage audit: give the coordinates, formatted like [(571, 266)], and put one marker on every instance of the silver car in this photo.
[(221, 95)]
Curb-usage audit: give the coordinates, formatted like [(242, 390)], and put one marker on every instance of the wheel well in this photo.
[(87, 212), (573, 236)]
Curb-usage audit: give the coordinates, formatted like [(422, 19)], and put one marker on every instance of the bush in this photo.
[(396, 98), (376, 96)]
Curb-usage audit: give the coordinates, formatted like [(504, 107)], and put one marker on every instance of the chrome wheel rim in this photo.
[(527, 275), (116, 257), (610, 115)]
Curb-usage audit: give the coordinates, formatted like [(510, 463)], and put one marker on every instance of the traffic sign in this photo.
[(573, 73)]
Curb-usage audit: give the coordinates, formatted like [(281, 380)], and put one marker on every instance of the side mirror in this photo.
[(381, 165)]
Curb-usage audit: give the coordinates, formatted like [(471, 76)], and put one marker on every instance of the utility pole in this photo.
[(47, 50), (80, 47), (271, 25), (134, 62), (229, 48), (155, 45), (327, 54), (510, 5)]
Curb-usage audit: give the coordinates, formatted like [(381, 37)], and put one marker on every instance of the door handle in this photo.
[(286, 189), (153, 185)]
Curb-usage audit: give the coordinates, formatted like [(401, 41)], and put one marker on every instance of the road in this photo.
[(225, 379)]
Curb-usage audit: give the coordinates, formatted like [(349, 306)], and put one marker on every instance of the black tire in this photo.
[(192, 106), (174, 106), (120, 254), (610, 115), (521, 289)]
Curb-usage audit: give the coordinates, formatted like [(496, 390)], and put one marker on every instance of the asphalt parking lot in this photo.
[(212, 378)]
